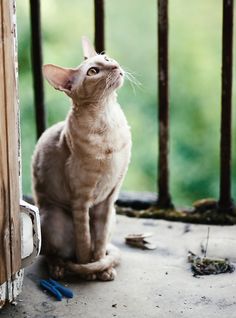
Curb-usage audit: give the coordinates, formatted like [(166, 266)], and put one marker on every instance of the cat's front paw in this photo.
[(107, 275), (89, 277), (56, 271), (56, 267)]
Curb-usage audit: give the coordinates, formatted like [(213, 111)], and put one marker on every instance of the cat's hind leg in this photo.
[(57, 238), (103, 219), (57, 232)]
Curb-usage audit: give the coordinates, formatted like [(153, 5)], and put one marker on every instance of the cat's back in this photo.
[(49, 143), (48, 162)]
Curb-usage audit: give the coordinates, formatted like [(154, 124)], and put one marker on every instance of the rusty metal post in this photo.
[(225, 201), (36, 55), (164, 198), (99, 25)]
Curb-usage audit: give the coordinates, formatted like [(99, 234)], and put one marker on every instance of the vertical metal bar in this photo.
[(99, 25), (225, 201), (164, 198), (36, 55)]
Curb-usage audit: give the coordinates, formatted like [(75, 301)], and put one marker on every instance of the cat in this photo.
[(78, 167)]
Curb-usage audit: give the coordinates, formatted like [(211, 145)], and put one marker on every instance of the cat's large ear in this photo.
[(59, 77), (88, 48)]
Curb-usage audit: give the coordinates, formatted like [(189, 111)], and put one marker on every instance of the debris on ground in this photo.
[(187, 228), (209, 266), (205, 204), (140, 240)]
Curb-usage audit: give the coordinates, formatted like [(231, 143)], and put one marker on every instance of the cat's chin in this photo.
[(114, 86), (120, 81)]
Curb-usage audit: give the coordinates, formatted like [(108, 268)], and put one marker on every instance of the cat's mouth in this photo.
[(117, 79), (118, 82), (120, 78)]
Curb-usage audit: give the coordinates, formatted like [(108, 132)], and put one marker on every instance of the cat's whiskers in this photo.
[(134, 82), (132, 78)]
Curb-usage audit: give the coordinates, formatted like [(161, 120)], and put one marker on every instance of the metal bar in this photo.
[(164, 198), (225, 201), (36, 55), (99, 25)]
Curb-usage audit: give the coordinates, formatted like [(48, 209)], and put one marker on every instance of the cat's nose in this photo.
[(115, 67)]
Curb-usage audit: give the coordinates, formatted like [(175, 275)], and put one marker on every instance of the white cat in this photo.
[(78, 168)]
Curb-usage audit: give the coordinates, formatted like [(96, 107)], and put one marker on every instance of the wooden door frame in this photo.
[(10, 239)]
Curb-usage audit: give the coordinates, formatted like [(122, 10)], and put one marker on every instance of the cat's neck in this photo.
[(92, 128), (93, 106), (105, 115)]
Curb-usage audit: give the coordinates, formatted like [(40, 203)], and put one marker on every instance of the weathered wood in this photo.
[(4, 196), (10, 252), (137, 200)]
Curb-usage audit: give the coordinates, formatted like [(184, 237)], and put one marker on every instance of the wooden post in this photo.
[(10, 244)]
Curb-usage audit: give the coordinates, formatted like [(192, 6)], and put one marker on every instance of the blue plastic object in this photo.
[(64, 291), (56, 289)]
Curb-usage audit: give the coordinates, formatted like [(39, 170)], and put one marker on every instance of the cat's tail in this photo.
[(111, 259)]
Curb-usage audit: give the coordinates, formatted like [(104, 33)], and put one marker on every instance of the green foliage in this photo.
[(195, 68)]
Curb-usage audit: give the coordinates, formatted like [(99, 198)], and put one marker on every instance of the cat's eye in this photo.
[(93, 71)]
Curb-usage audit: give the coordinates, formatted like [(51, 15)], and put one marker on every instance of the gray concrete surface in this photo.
[(150, 284)]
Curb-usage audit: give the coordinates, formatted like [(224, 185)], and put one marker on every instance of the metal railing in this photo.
[(164, 201)]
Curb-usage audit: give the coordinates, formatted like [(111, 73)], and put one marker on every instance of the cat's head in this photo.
[(97, 77)]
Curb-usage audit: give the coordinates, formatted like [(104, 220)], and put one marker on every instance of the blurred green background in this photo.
[(195, 69)]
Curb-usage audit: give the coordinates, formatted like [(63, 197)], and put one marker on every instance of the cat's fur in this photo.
[(78, 167)]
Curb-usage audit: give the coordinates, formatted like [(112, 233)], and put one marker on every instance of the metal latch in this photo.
[(30, 233)]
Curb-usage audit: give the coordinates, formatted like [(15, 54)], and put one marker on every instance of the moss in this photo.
[(199, 214)]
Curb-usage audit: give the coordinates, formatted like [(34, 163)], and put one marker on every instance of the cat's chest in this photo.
[(111, 175), (100, 152), (101, 157), (101, 166), (101, 134), (105, 145)]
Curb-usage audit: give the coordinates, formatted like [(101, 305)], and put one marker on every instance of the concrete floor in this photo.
[(155, 283)]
